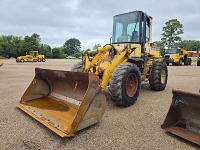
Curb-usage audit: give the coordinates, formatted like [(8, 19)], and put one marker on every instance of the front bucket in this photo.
[(183, 118), (64, 101)]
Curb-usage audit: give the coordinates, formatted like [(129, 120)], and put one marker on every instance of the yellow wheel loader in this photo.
[(68, 101), (155, 51), (178, 56), (1, 63), (33, 56), (183, 117)]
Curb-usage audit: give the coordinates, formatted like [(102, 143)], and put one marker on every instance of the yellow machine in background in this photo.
[(33, 56), (1, 63), (68, 101), (178, 56), (155, 51)]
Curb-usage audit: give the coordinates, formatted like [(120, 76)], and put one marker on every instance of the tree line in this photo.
[(14, 46), (171, 38)]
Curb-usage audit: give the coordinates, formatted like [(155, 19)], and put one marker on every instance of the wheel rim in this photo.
[(131, 85), (163, 75)]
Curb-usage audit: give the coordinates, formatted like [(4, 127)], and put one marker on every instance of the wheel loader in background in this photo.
[(1, 63), (68, 101), (155, 51), (178, 56), (33, 56)]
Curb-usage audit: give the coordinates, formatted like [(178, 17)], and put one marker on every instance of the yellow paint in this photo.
[(33, 56)]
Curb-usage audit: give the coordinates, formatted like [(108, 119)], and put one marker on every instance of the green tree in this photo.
[(72, 46), (46, 50), (57, 52), (78, 54), (7, 46), (37, 37), (96, 46), (191, 45), (171, 31), (30, 43)]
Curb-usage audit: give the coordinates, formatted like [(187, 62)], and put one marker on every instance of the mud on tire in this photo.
[(158, 76), (125, 84)]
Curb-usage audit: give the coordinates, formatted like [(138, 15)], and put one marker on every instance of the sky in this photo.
[(91, 21)]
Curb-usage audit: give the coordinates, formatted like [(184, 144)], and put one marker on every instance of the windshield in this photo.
[(126, 27), (155, 48), (172, 51)]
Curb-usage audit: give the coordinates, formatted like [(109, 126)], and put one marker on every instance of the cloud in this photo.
[(90, 21)]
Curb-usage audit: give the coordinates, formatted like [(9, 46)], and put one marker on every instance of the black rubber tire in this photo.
[(180, 62), (77, 67), (43, 60), (22, 60), (186, 62), (155, 79), (39, 60), (117, 84), (189, 61)]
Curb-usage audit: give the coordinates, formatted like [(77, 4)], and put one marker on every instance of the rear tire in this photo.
[(77, 67), (39, 60), (125, 84), (158, 76), (189, 60), (198, 62), (22, 60), (180, 62), (43, 60)]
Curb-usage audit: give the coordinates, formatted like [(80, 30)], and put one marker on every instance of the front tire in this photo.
[(125, 84), (158, 76), (22, 60)]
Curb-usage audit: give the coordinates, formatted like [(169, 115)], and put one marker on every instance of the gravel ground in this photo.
[(135, 127)]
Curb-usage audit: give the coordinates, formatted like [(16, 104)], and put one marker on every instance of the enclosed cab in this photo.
[(134, 28), (177, 56), (155, 51)]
